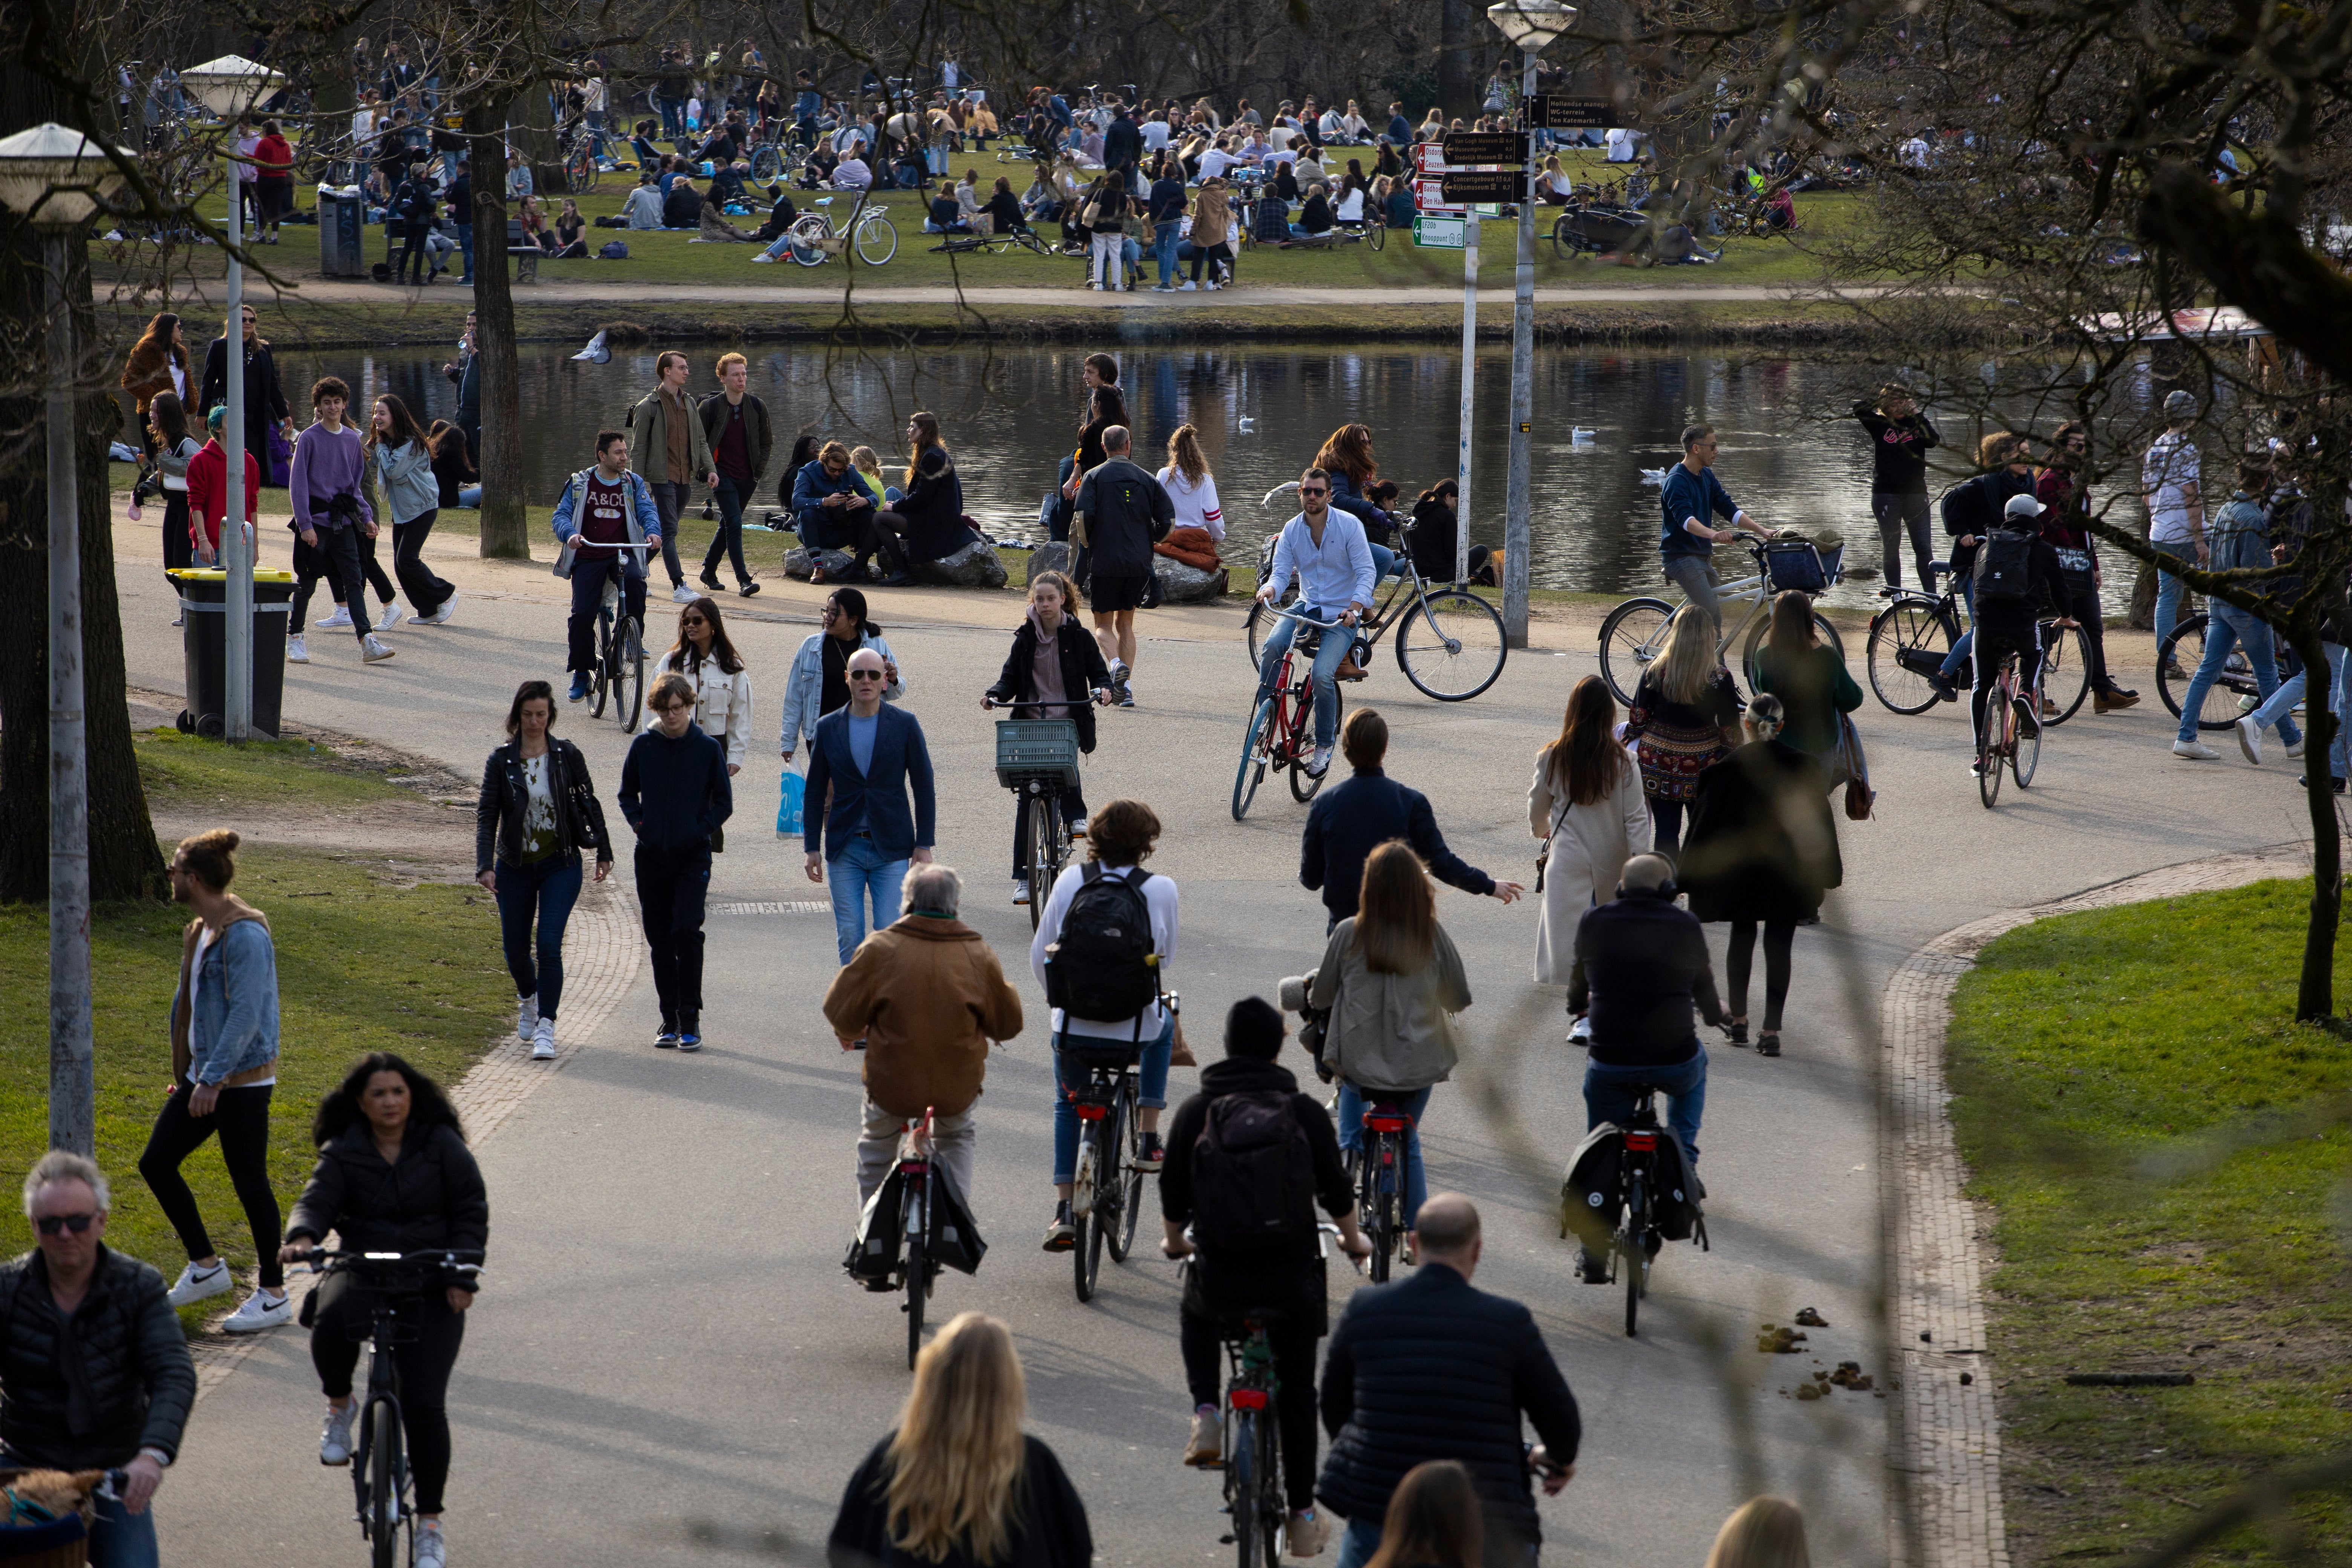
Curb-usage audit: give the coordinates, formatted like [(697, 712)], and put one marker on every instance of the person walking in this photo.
[(2169, 490), (1763, 850), (330, 515), (1122, 512), (1684, 718), (705, 656), (923, 997), (865, 761), (208, 494), (94, 1367), (538, 810), (266, 409), (1588, 805), (1901, 437), (1690, 499), (668, 448), (394, 1175), (1328, 551), (402, 457), (736, 428), (819, 681), (675, 793), (1390, 980), (605, 522), (2239, 539), (174, 447), (957, 1483), (1055, 671), (158, 363), (1250, 1162), (1812, 681), (2065, 496), (1367, 809), (1432, 1343), (273, 179), (2290, 512), (223, 1031)]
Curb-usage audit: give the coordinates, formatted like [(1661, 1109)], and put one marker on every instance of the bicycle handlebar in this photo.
[(1292, 614), (325, 1262)]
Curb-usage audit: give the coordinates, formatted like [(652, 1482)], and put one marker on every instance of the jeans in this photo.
[(548, 888), (1150, 1090), (669, 500), (671, 888), (1353, 1102), (465, 244), (337, 559), (732, 494), (1695, 575), (954, 1139), (1610, 1094), (1896, 513), (2227, 626), (424, 1364), (1074, 810), (2170, 590), (119, 1539), (1329, 655), (588, 579), (1384, 562), (425, 589), (1293, 1400), (2290, 692), (859, 870), (241, 1117), (1960, 654), (1164, 250)]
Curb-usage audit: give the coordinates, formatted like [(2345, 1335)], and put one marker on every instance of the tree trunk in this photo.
[(504, 529), (1460, 47), (124, 859), (2315, 993)]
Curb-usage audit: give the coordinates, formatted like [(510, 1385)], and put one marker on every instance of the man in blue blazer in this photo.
[(868, 756)]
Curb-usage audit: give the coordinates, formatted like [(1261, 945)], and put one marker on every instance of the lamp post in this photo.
[(56, 179), (1531, 24)]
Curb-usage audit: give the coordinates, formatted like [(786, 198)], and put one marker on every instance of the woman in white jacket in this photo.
[(818, 683), (722, 686), (1587, 800)]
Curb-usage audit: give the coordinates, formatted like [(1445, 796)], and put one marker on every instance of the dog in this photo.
[(55, 1493)]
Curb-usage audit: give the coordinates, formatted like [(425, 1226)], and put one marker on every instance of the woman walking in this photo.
[(676, 794), (1588, 805), (403, 459), (1391, 979), (1763, 849), (394, 1175), (1809, 678), (537, 812), (158, 363), (819, 681), (273, 181), (722, 686), (174, 445), (958, 1484), (1684, 719), (1212, 236), (1056, 664)]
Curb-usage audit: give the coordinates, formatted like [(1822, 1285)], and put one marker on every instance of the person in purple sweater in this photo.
[(327, 484)]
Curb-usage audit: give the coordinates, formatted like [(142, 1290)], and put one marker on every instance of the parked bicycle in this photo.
[(2232, 697), (581, 166), (1281, 732), (1378, 1160), (1107, 1193), (813, 240), (1037, 760), (995, 243), (1635, 631), (1910, 640)]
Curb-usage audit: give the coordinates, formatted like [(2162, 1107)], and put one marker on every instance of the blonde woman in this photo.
[(958, 1483), (1684, 719), (1588, 805), (1764, 1532), (1212, 236), (1191, 486)]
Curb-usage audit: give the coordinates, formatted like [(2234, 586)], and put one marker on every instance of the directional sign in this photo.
[(1484, 185), (1556, 111), (1429, 158), (1485, 147), (1435, 233), (1428, 197)]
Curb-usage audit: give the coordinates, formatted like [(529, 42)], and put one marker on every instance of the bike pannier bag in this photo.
[(1675, 1205), (1591, 1192), (1103, 967), (873, 1251), (953, 1240), (1252, 1174), (2004, 568)]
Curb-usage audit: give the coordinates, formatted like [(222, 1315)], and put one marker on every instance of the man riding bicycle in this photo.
[(2016, 576), (1690, 496), (602, 509), (1333, 562)]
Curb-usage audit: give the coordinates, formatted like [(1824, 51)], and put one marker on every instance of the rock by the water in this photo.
[(1051, 557), (803, 563), (976, 566), (1185, 585)]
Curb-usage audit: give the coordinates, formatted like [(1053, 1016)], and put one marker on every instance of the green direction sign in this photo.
[(1440, 233)]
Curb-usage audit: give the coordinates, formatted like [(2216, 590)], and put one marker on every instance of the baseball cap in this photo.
[(2181, 405), (2022, 506)]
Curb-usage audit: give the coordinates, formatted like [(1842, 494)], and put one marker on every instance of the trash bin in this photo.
[(204, 595), (343, 232)]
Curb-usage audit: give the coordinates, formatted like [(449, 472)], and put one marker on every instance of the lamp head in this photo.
[(1532, 25), (56, 176)]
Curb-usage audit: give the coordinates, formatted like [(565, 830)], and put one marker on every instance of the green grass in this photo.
[(2085, 1051), (183, 773)]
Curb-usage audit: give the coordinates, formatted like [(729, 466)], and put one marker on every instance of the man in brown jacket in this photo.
[(670, 451), (926, 996)]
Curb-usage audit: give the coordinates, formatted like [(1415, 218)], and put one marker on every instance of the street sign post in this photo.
[(1463, 147), (1483, 185), (1558, 111), (1435, 232), (1429, 198)]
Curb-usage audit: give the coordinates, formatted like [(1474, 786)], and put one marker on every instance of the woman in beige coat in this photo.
[(1587, 800)]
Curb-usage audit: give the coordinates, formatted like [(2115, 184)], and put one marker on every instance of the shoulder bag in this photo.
[(1860, 798)]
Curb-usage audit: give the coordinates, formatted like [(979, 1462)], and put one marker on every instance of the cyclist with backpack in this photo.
[(1971, 509), (1104, 942), (1250, 1161), (2016, 573)]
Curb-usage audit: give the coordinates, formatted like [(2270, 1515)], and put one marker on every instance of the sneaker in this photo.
[(2294, 750), (1021, 890), (762, 257), (690, 1033), (1205, 1448), (897, 580), (376, 652), (667, 1039), (1737, 1033), (1187, 286), (1212, 286), (1061, 1236), (1768, 1044), (542, 1041), (181, 619), (335, 1440), (1591, 1270), (2173, 672), (1164, 287), (389, 619), (441, 611), (2250, 740), (2195, 751), (682, 595), (526, 1016), (1153, 1155), (1078, 829), (432, 1552), (711, 583), (259, 1313), (297, 652), (1126, 698), (342, 616), (1321, 764), (196, 1284), (579, 692), (747, 589), (2304, 782), (1306, 1533)]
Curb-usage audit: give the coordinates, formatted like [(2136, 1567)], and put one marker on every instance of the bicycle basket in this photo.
[(1797, 563), (1041, 749)]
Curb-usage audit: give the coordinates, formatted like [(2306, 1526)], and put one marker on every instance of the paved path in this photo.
[(666, 1355)]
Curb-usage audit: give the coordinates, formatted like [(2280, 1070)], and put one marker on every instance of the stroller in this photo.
[(1592, 228)]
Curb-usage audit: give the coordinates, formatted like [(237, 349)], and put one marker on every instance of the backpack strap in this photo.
[(1090, 873)]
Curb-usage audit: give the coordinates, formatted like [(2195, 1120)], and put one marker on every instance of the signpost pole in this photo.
[(1517, 529), (1469, 390), (236, 559)]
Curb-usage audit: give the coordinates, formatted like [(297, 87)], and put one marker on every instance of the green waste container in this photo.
[(204, 595)]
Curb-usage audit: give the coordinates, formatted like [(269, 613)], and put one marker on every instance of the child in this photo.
[(332, 516)]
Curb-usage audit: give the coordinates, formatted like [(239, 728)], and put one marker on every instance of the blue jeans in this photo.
[(860, 869), (1361, 1539), (549, 889), (1609, 1095), (2170, 590), (2227, 626), (1352, 1105), (1957, 660), (2290, 691), (465, 244), (122, 1539), (1384, 562), (1164, 250), (1329, 655), (1150, 1090)]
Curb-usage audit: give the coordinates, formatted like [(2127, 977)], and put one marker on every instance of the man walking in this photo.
[(675, 793), (330, 515), (1433, 1343), (604, 518), (1356, 816), (2176, 505), (1125, 512), (2241, 541), (735, 426), (464, 372), (668, 449), (867, 758), (1689, 497)]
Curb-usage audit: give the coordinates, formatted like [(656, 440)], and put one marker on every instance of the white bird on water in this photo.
[(1654, 476), (1247, 424), (1581, 436)]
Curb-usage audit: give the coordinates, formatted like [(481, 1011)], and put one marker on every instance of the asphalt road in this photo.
[(667, 1366)]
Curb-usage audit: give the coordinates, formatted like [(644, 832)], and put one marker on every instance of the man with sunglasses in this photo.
[(1333, 562), (94, 1369), (867, 757)]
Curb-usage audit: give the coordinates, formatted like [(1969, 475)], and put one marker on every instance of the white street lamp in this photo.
[(57, 179)]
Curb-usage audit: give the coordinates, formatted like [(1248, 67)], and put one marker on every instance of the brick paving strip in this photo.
[(1948, 1435)]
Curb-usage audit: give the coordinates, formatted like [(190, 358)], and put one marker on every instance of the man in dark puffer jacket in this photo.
[(1429, 1368), (111, 1391)]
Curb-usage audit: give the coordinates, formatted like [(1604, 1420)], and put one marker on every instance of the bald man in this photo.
[(883, 816)]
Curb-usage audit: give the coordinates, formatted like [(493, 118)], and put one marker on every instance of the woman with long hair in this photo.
[(1434, 1520), (1588, 805), (1436, 526), (1762, 1532), (1056, 664), (819, 681), (453, 468), (804, 450), (1811, 680), (957, 1483), (2065, 491), (1191, 487), (570, 232), (174, 444), (722, 687), (1684, 718), (401, 454), (394, 1175), (1347, 457), (1105, 407), (1212, 234), (927, 515), (1391, 981), (158, 361), (1104, 213)]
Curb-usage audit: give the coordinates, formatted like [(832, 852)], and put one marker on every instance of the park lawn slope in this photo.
[(2093, 1057)]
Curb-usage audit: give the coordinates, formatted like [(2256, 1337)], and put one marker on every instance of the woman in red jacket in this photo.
[(209, 492), (273, 160)]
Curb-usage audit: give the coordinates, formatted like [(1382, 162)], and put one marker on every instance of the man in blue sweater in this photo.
[(1352, 819), (1691, 497), (675, 793)]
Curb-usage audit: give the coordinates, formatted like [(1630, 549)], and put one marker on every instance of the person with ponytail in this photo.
[(1588, 805)]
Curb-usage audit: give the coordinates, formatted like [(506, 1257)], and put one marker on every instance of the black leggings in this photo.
[(1221, 252), (1736, 962), (178, 544), (241, 1117), (1666, 820), (1293, 1369), (2082, 604), (426, 590), (882, 531), (1896, 511), (345, 1309)]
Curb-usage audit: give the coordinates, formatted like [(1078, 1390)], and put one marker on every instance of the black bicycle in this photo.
[(1253, 1497), (1037, 760), (921, 1272), (2235, 694), (1635, 1244), (1107, 1195), (396, 1281), (1910, 640), (620, 660), (1380, 1184)]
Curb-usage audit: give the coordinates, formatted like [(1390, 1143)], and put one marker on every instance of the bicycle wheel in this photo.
[(1085, 1257), (601, 686), (1303, 784), (1630, 638), (1451, 644), (1271, 1513), (580, 171), (1989, 744), (1826, 633), (1252, 771), (383, 1514), (1380, 1160), (1907, 628), (1044, 823), (877, 238), (1631, 1253), (803, 237), (1376, 235), (1259, 624), (1242, 1479), (2184, 650), (2065, 673), (629, 672), (919, 1288), (1130, 1179), (2025, 752), (766, 162)]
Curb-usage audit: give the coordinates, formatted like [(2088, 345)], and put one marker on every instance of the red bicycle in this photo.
[(1282, 724)]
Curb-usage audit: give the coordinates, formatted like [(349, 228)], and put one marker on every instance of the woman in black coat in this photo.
[(266, 408), (931, 512), (1762, 848), (1074, 669)]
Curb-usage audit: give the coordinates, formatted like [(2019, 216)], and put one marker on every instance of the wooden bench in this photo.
[(526, 254)]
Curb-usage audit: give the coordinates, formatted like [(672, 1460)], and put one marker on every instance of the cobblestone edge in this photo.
[(1948, 1433)]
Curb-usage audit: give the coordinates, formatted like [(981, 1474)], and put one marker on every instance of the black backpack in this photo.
[(1102, 966), (2004, 573), (1252, 1174)]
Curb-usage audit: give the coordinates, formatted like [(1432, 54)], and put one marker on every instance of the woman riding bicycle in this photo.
[(1053, 659), (394, 1175)]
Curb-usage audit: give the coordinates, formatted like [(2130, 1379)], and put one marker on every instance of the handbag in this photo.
[(1860, 798), (1543, 852), (793, 796)]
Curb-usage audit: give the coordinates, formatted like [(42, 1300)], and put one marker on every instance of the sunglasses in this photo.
[(51, 1224), (865, 674), (670, 707), (1313, 492), (692, 621)]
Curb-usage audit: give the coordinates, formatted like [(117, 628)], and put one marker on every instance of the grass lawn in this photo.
[(363, 965), (180, 772), (2085, 1049)]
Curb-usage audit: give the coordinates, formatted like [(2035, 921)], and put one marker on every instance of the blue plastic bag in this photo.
[(788, 808)]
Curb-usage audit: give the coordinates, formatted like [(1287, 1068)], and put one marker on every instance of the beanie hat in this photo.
[(1253, 1030)]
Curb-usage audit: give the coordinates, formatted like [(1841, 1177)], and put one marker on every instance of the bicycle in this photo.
[(1634, 1245), (920, 1272), (1037, 760), (1107, 1194), (1255, 1504), (2012, 733), (379, 1465), (620, 658), (1281, 732), (996, 242), (1635, 631), (2235, 694), (1380, 1184), (581, 168), (1903, 658), (813, 240)]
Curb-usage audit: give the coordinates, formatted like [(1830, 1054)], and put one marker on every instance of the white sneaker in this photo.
[(1188, 286), (196, 1284), (432, 1552), (181, 619), (2295, 749), (296, 652), (1211, 287), (2250, 740), (259, 1313), (526, 1016), (375, 651), (389, 619), (1021, 890), (1321, 764), (441, 611), (682, 595), (335, 1441), (542, 1041), (1078, 829), (340, 617), (2195, 751)]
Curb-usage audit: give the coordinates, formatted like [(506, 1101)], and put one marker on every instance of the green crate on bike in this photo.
[(1036, 749)]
